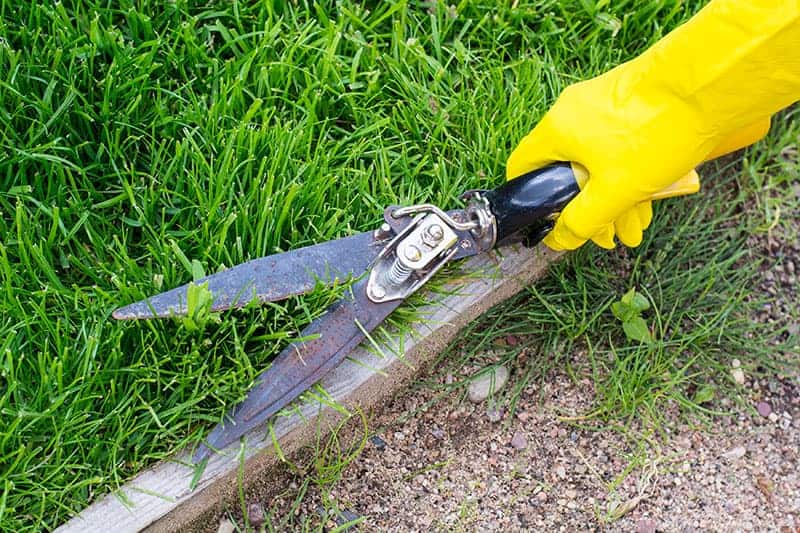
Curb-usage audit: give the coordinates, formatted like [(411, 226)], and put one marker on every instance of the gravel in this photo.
[(487, 383), (534, 472)]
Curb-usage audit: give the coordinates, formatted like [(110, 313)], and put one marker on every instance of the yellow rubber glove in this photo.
[(707, 88)]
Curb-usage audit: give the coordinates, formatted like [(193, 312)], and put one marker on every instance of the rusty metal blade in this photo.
[(267, 279), (301, 365)]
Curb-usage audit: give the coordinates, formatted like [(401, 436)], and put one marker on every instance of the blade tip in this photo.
[(120, 314)]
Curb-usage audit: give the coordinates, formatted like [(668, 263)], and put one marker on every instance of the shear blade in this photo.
[(267, 279), (302, 364)]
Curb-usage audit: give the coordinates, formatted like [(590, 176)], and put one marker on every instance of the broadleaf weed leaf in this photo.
[(636, 329)]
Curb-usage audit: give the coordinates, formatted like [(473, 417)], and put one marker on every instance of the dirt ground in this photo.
[(454, 465), (452, 468)]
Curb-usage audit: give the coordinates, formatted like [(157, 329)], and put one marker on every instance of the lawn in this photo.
[(144, 143)]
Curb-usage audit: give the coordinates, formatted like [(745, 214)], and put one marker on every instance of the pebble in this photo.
[(773, 417), (646, 525), (345, 516), (487, 383), (738, 375), (735, 453), (571, 494), (494, 413), (226, 526), (542, 496), (518, 441), (378, 442), (256, 514), (561, 472), (764, 409)]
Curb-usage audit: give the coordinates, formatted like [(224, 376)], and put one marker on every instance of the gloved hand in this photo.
[(707, 88)]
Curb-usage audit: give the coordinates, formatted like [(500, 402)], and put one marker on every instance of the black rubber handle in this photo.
[(529, 201)]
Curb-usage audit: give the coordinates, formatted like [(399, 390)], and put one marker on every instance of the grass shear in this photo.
[(389, 264)]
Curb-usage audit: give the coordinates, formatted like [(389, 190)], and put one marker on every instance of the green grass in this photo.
[(139, 138)]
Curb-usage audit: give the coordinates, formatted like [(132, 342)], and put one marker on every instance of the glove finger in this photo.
[(562, 238), (605, 237), (551, 241), (645, 213), (590, 215), (535, 150), (629, 227), (631, 224)]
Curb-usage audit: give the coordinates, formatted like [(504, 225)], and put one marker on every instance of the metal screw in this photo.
[(412, 253), (435, 232), (383, 232), (378, 291)]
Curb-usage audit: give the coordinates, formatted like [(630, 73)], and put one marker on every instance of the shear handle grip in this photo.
[(532, 201)]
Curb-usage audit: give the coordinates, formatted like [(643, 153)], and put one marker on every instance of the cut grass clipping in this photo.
[(145, 142)]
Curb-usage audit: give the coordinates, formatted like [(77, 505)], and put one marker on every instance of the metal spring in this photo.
[(397, 274)]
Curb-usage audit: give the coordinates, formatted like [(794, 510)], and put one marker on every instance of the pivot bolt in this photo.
[(412, 253)]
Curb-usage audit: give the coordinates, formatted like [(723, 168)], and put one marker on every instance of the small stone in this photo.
[(438, 433), (378, 442), (561, 472), (735, 453), (256, 515), (738, 375), (341, 518), (773, 417), (542, 496), (764, 409), (487, 383), (571, 494), (518, 441), (646, 525), (494, 414), (512, 340), (226, 526), (735, 363)]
